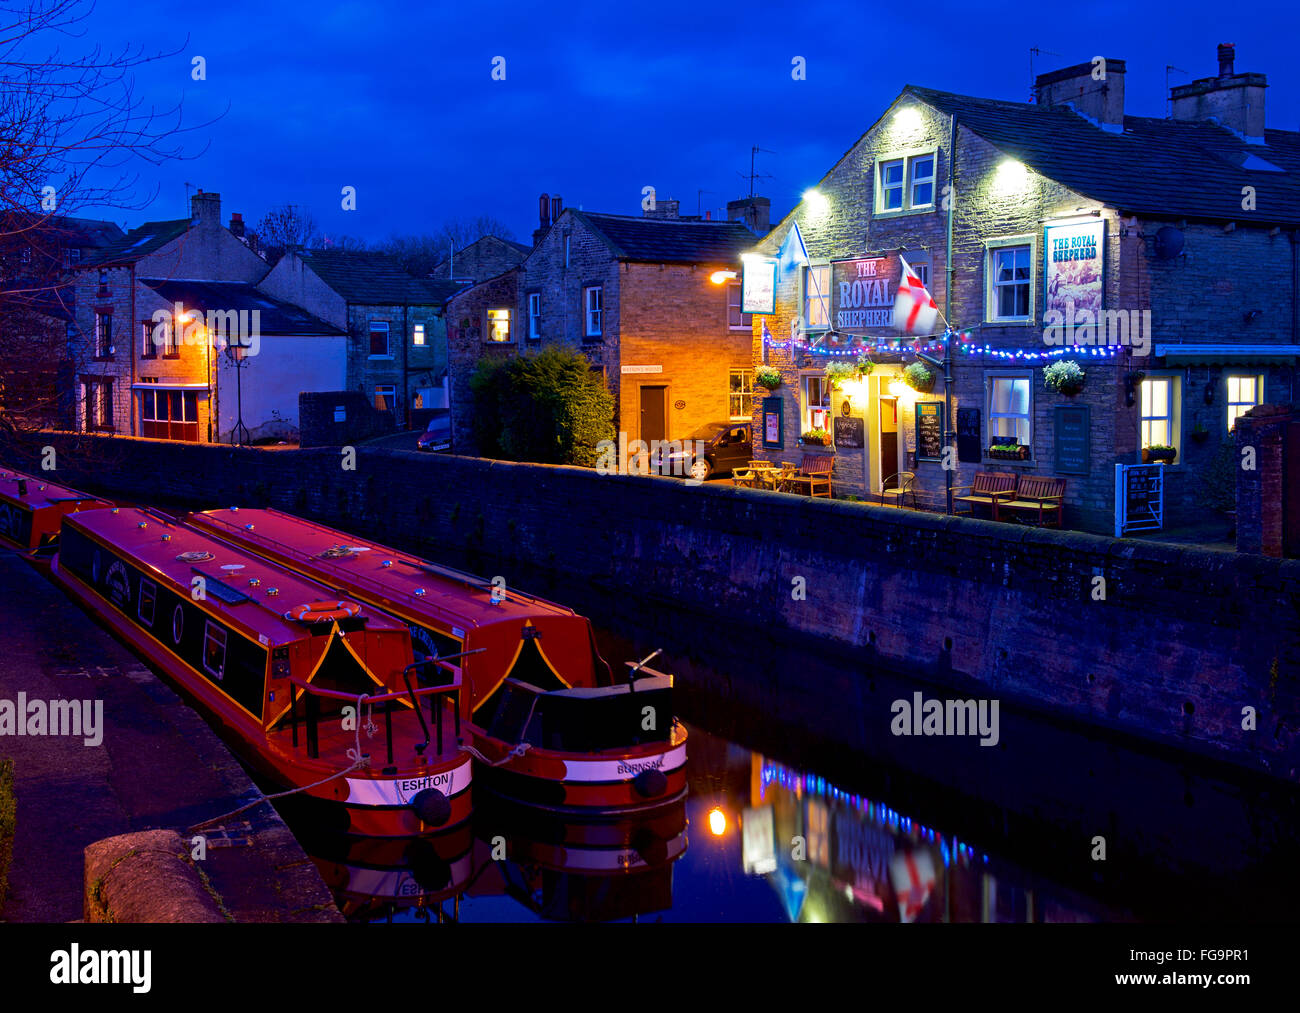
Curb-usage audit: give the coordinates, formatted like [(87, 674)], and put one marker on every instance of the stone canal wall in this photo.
[(1167, 642)]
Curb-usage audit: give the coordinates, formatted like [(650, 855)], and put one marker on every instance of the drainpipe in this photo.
[(947, 344), (131, 325), (1295, 299), (406, 368)]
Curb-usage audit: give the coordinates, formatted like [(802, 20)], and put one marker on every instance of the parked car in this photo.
[(725, 445), (437, 435)]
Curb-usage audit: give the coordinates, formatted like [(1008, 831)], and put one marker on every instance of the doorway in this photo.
[(654, 414)]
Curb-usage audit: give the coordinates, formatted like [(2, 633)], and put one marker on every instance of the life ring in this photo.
[(323, 611)]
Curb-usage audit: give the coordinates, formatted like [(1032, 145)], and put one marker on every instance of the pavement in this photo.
[(159, 766)]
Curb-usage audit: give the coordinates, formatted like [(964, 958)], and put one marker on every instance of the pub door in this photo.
[(654, 414), (887, 449)]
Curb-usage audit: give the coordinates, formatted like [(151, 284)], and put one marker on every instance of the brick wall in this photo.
[(1260, 434), (1182, 640), (318, 426)]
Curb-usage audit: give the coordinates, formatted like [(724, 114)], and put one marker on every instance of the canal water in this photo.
[(803, 807)]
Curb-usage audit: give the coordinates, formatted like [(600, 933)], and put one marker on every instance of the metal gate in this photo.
[(1139, 498)]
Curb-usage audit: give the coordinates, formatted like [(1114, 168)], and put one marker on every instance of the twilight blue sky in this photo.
[(601, 99)]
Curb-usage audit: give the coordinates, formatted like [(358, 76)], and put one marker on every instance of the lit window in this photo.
[(891, 185), (1011, 282), (740, 394), (737, 320), (170, 415), (595, 302), (534, 316), (99, 404), (1244, 392), (922, 181), (386, 398), (418, 337), (378, 337), (1158, 411), (1009, 409), (499, 325), (214, 651), (816, 403), (817, 297)]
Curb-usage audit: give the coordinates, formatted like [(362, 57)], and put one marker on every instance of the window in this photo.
[(104, 334), (1011, 282), (418, 335), (1158, 411), (99, 404), (816, 403), (170, 415), (534, 316), (386, 397), (1009, 409), (148, 601), (817, 297), (740, 394), (736, 320), (922, 181), (891, 185), (378, 338), (1244, 392), (214, 650), (103, 283), (148, 350), (594, 297), (498, 325), (922, 271)]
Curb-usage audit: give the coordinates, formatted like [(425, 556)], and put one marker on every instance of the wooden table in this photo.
[(765, 475)]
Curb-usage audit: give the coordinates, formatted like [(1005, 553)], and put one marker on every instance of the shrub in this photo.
[(8, 822), (549, 408)]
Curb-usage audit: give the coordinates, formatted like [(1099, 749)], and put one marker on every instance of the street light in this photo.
[(238, 351)]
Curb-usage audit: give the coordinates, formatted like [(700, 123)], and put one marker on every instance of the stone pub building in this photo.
[(1160, 254)]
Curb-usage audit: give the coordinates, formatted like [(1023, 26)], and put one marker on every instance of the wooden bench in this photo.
[(987, 488), (1042, 495), (814, 475)]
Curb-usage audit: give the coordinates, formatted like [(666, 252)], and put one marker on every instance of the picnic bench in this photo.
[(1041, 495), (987, 488), (813, 476)]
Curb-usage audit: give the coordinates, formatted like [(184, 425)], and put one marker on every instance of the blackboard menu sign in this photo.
[(1143, 496), (849, 432), (970, 437), (1073, 432), (929, 430), (773, 424)]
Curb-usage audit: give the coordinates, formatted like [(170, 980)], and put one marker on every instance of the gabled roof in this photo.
[(277, 317), (375, 278), (669, 240), (139, 242), (1161, 167)]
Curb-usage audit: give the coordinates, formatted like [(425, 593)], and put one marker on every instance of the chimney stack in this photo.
[(205, 210), (1232, 100), (544, 218), (755, 212), (237, 224), (1093, 89), (663, 209)]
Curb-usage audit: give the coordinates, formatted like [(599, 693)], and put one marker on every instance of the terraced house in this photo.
[(1160, 254)]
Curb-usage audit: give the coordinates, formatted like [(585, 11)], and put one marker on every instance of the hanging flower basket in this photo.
[(1065, 377), (768, 376), (918, 378)]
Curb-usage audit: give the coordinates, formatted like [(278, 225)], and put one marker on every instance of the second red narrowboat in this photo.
[(31, 509), (552, 726), (316, 691)]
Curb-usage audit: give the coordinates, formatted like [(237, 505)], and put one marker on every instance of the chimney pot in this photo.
[(1226, 52), (557, 206), (544, 210)]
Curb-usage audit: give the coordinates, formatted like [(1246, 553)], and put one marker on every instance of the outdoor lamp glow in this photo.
[(717, 822), (815, 199), (718, 277), (907, 118), (1011, 177)]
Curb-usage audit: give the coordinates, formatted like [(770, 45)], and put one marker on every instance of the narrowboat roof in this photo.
[(40, 493), (406, 581), (244, 588)]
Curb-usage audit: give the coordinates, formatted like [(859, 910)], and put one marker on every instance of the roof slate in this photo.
[(376, 278), (277, 317), (1160, 167), (670, 240), (139, 242)]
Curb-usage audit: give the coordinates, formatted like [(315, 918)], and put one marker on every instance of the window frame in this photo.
[(1258, 380), (746, 319), (805, 301), (374, 327), (991, 288), (489, 326), (806, 406), (104, 348), (209, 629), (1173, 418), (913, 182), (599, 312), (745, 392), (148, 350), (907, 158), (417, 335), (990, 382), (391, 395), (92, 387), (534, 300)]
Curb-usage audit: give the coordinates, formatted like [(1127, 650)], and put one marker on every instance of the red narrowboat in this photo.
[(549, 722), (31, 509), (314, 690)]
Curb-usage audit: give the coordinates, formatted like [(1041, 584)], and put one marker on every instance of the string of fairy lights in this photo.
[(834, 344)]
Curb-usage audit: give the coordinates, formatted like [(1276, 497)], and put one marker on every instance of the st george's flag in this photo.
[(915, 311)]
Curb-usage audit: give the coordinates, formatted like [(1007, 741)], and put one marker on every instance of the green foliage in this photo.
[(768, 376), (1064, 375), (549, 408), (838, 372), (817, 436), (916, 376), (8, 824)]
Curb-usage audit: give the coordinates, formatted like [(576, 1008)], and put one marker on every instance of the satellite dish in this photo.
[(1169, 242)]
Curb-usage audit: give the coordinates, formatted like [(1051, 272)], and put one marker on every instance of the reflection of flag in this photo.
[(912, 874), (914, 308), (793, 254)]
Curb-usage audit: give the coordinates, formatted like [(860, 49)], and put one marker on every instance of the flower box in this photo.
[(1159, 455), (1005, 452)]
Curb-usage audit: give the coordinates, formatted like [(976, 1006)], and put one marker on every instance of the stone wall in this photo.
[(1170, 644), (1261, 466), (318, 426)]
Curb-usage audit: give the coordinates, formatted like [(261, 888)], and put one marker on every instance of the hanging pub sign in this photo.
[(862, 294), (1073, 271), (773, 424), (758, 286), (929, 430)]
